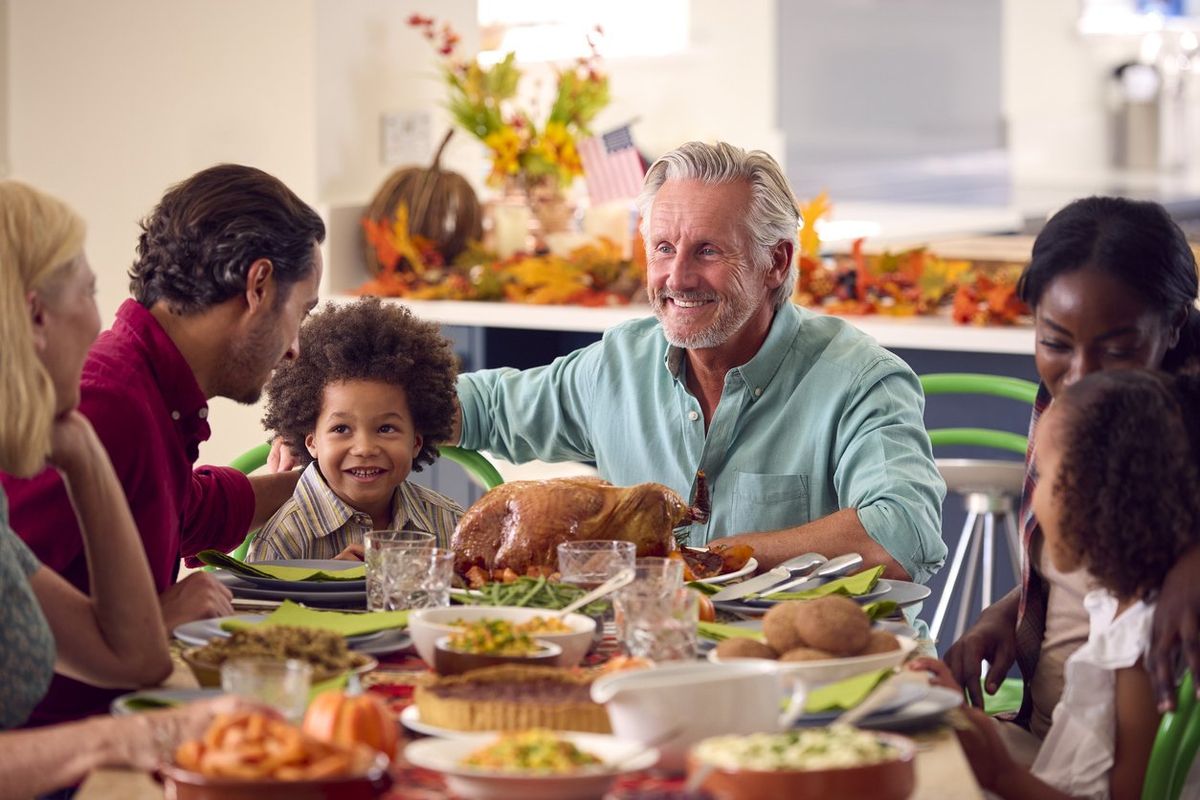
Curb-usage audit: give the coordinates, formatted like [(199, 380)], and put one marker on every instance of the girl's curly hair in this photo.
[(365, 341), (1128, 476)]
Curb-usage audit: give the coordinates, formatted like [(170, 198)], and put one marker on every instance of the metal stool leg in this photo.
[(1014, 545), (989, 560), (960, 552), (968, 590)]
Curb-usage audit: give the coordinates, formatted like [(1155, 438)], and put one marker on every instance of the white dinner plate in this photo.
[(921, 714), (617, 757), (127, 703), (907, 694), (328, 564), (747, 569), (902, 593), (410, 717), (200, 632), (878, 592)]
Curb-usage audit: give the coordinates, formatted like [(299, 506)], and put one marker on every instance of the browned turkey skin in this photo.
[(519, 525)]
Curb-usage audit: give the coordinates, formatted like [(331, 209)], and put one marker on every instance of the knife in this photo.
[(786, 571), (833, 568)]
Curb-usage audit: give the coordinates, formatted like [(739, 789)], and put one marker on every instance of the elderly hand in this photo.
[(281, 458), (1176, 627), (993, 638), (198, 596)]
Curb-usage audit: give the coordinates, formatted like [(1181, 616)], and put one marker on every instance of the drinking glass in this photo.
[(653, 574), (415, 577), (374, 544), (590, 562), (283, 685), (658, 625)]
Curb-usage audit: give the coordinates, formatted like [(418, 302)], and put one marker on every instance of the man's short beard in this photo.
[(737, 309), (245, 371)]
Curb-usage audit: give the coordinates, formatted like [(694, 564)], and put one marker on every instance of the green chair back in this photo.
[(476, 466), (990, 385), (1175, 746)]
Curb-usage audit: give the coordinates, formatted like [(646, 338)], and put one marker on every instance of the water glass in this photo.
[(374, 544), (284, 685), (658, 575), (415, 577), (658, 625), (590, 562)]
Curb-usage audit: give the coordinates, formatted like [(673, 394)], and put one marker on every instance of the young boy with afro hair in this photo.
[(366, 401)]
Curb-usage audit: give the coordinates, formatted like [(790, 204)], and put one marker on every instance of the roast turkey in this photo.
[(519, 525)]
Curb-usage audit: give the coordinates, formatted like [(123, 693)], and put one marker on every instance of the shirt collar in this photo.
[(176, 382), (758, 372), (325, 513)]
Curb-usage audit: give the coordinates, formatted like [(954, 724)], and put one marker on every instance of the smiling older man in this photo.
[(810, 434)]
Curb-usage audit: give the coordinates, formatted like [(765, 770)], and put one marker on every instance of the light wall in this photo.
[(109, 103), (3, 88)]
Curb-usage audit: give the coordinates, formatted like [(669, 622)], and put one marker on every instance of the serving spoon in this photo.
[(622, 578)]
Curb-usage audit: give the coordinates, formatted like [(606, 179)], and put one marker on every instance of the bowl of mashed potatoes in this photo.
[(806, 763)]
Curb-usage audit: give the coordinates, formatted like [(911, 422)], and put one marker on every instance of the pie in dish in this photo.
[(512, 697)]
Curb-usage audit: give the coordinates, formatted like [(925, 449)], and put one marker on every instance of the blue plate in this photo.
[(328, 564)]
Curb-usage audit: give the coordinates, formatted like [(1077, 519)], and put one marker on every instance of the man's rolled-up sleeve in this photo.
[(886, 471), (218, 511), (540, 413)]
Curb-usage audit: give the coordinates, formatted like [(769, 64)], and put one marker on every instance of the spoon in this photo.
[(622, 578), (833, 568)]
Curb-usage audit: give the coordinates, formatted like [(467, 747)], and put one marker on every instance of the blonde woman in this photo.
[(114, 637)]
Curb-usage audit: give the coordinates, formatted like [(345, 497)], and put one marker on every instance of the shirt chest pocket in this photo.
[(764, 502)]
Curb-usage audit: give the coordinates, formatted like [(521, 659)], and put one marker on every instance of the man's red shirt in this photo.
[(147, 408)]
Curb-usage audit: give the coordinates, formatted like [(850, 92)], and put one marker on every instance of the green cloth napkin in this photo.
[(216, 558), (347, 624), (719, 632), (852, 585), (880, 609), (844, 695)]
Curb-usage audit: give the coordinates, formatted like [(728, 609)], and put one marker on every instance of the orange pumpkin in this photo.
[(346, 718)]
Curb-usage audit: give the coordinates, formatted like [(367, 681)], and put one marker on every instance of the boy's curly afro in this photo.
[(1128, 475), (373, 341)]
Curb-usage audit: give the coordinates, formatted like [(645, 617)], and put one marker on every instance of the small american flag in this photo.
[(612, 166)]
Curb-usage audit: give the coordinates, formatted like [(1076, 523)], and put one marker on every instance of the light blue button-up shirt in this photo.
[(821, 419)]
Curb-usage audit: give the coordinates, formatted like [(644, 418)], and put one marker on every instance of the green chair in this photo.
[(476, 466), (1175, 746), (989, 487)]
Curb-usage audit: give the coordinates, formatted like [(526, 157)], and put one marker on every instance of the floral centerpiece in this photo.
[(525, 149)]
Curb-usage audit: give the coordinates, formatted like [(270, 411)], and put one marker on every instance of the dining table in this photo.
[(942, 771)]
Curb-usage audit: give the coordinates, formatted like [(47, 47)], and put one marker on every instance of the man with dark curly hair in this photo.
[(366, 402), (228, 265)]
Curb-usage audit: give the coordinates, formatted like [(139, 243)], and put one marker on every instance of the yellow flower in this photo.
[(505, 145), (558, 145)]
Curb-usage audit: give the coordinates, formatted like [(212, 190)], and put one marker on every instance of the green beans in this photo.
[(531, 593)]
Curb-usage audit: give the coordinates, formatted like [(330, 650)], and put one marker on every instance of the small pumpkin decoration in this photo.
[(441, 207), (352, 717)]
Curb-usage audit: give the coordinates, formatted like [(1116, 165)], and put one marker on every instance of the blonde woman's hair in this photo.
[(39, 238)]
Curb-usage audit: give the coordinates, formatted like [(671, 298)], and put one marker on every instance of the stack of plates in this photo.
[(326, 594), (202, 631)]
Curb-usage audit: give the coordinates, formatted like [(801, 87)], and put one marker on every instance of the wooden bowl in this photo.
[(456, 662), (209, 674), (894, 779), (182, 784)]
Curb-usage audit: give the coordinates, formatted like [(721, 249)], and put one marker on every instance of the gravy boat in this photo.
[(695, 700)]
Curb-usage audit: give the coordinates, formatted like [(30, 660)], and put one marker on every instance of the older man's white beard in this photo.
[(734, 312)]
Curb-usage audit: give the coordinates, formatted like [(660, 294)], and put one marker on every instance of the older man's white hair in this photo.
[(773, 215)]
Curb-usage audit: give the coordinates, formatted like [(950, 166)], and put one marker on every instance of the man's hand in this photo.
[(281, 458), (198, 596), (992, 638), (354, 552), (1176, 627)]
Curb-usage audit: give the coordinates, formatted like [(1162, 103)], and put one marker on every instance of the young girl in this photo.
[(1118, 455)]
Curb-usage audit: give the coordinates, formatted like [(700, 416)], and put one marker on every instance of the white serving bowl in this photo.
[(445, 755), (676, 705), (829, 669), (427, 625)]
